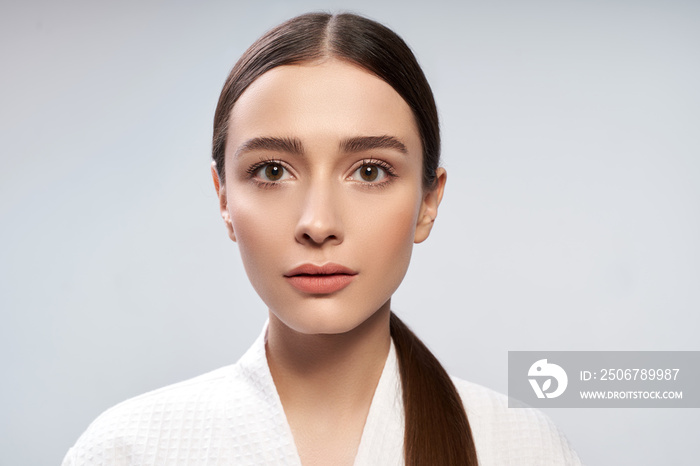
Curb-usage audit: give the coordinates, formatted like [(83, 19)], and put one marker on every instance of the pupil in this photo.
[(369, 173)]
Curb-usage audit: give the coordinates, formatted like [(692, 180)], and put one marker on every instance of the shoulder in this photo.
[(115, 436), (507, 435)]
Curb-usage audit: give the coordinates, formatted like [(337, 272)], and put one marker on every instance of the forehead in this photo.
[(330, 100)]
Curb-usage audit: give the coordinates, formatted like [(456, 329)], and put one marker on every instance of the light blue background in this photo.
[(570, 222)]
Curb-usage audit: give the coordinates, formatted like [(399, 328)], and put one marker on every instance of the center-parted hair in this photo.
[(437, 430)]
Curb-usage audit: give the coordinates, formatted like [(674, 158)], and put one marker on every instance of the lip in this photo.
[(320, 279)]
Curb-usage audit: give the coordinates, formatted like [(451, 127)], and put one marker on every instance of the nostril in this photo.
[(321, 239)]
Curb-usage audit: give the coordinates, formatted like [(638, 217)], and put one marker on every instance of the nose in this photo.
[(320, 219)]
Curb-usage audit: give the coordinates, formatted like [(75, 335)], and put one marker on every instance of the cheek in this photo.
[(261, 224), (387, 229)]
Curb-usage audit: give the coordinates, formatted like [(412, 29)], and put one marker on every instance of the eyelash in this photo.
[(387, 168)]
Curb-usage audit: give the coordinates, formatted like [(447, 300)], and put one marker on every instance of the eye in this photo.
[(271, 171), (372, 172)]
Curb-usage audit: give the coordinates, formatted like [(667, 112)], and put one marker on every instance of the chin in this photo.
[(324, 320)]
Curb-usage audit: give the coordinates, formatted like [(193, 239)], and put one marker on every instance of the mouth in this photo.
[(324, 279)]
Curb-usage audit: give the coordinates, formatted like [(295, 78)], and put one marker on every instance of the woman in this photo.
[(326, 166)]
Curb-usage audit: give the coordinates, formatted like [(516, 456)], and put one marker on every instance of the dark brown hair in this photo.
[(437, 430)]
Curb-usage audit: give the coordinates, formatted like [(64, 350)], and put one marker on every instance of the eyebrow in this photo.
[(363, 143), (290, 145), (294, 145)]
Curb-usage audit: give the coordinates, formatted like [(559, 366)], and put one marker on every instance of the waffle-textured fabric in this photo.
[(233, 416)]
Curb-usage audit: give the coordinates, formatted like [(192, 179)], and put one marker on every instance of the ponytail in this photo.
[(437, 431)]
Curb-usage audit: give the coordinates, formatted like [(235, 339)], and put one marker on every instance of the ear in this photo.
[(223, 201), (429, 207)]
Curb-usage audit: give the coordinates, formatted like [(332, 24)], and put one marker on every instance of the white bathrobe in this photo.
[(233, 416)]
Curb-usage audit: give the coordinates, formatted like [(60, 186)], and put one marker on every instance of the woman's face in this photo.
[(323, 193)]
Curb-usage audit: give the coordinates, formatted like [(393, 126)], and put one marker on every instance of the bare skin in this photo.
[(309, 202), (326, 384)]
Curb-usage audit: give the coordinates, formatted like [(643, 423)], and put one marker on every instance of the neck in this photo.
[(336, 372), (326, 384)]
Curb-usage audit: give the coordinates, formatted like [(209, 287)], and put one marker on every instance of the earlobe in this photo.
[(429, 207), (223, 201)]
